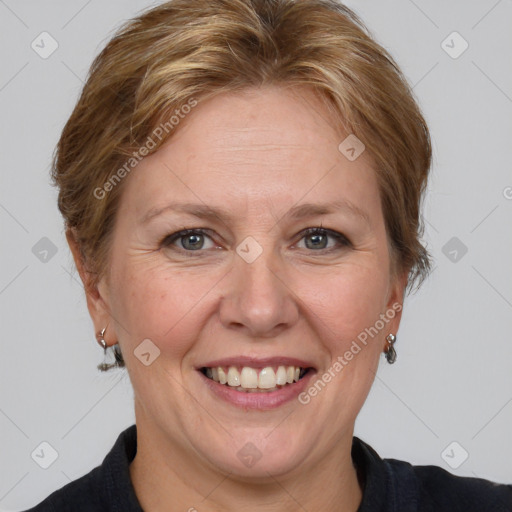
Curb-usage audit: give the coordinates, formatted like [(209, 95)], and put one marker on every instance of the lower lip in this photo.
[(259, 400)]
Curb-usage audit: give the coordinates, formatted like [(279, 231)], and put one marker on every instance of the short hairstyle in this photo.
[(185, 51)]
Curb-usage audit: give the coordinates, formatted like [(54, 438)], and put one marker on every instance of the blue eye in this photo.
[(190, 239), (193, 240), (320, 237)]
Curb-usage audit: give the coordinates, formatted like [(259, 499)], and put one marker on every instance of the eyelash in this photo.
[(343, 242)]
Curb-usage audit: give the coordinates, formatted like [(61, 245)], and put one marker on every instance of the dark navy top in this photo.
[(389, 486)]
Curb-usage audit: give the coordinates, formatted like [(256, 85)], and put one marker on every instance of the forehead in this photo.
[(252, 151)]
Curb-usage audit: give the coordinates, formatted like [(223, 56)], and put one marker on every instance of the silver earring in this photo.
[(390, 350), (101, 340), (118, 357)]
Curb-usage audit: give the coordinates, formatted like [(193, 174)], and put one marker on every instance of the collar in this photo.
[(387, 487)]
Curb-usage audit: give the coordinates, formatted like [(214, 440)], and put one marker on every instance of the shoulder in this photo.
[(105, 488), (392, 485), (82, 494), (438, 490)]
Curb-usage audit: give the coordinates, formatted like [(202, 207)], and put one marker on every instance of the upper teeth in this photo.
[(252, 378)]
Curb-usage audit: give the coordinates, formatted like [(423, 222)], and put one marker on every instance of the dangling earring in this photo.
[(390, 350), (101, 340), (118, 357)]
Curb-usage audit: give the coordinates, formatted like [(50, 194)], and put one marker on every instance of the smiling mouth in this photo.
[(255, 380)]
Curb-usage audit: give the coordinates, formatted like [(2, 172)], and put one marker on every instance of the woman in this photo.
[(241, 185)]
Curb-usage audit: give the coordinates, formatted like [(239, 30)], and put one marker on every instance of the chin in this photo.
[(258, 456)]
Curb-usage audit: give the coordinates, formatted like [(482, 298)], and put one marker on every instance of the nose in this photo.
[(259, 303)]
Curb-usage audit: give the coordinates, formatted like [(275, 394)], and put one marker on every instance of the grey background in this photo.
[(453, 378)]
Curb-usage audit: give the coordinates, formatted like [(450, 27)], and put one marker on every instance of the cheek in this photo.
[(158, 305), (346, 302)]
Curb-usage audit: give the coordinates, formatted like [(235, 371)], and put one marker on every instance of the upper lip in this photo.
[(257, 362)]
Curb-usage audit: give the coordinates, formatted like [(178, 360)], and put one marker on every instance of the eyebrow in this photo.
[(301, 211)]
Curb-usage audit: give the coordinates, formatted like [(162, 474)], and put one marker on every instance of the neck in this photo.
[(169, 477)]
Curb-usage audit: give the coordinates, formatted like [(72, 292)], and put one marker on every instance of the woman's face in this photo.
[(253, 289)]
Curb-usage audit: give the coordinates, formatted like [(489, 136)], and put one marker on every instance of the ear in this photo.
[(394, 306), (96, 293)]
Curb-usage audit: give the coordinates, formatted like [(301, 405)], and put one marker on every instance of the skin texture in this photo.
[(256, 154)]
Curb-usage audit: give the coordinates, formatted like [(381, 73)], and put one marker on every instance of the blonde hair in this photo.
[(190, 50)]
